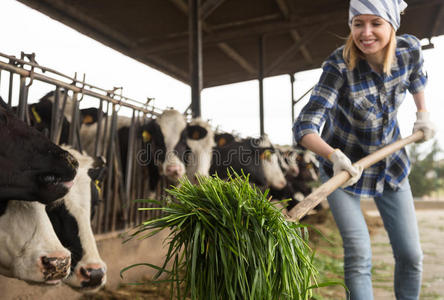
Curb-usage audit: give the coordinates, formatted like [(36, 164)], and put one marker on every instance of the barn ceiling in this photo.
[(298, 34)]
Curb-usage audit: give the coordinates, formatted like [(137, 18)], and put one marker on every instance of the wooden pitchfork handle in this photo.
[(321, 193)]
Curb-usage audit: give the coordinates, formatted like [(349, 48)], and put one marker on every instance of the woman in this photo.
[(357, 97)]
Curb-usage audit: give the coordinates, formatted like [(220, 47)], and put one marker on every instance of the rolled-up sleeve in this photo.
[(418, 79), (324, 97)]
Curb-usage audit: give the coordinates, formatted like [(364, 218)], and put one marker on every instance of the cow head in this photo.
[(307, 163), (71, 219), (288, 160), (33, 168), (269, 159), (241, 156), (165, 139), (30, 249), (200, 140)]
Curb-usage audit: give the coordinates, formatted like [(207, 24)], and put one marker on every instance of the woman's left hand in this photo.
[(424, 124)]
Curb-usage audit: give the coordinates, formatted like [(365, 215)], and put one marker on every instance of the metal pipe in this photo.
[(130, 159), (99, 128), (23, 98), (26, 73), (72, 137), (292, 97), (55, 115), (11, 84), (110, 162), (195, 55), (261, 85)]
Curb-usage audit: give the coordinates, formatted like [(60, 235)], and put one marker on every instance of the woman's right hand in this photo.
[(342, 162)]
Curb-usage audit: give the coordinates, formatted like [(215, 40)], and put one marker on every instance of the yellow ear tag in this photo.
[(87, 119), (97, 184), (36, 115), (221, 142), (195, 135), (267, 154), (146, 136)]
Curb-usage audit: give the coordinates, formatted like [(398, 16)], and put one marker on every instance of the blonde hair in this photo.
[(352, 54)]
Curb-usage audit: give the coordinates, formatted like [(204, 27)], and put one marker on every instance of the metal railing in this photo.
[(117, 211)]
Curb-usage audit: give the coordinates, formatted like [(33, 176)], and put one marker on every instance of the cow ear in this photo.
[(97, 174), (87, 119), (221, 141), (196, 132), (90, 115), (148, 131)]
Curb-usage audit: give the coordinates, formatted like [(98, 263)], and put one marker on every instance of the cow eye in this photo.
[(196, 132)]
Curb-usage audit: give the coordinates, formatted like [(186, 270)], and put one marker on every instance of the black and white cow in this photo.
[(251, 156), (31, 167), (29, 247), (71, 219), (288, 160), (270, 163), (200, 141), (167, 144), (40, 115)]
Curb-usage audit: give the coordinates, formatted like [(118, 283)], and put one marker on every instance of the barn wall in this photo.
[(113, 252)]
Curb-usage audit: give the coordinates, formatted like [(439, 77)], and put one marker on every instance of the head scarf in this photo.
[(389, 10)]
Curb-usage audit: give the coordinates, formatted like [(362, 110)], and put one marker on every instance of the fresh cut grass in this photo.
[(227, 241)]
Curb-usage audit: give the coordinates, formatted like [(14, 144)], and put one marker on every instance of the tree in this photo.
[(424, 175)]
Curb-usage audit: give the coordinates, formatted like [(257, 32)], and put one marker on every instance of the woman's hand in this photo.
[(342, 162), (424, 124)]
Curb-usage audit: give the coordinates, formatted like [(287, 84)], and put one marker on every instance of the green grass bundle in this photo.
[(228, 241)]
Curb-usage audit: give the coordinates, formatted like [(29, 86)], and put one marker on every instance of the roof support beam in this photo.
[(160, 46), (438, 19), (296, 46), (224, 47), (294, 33), (208, 7)]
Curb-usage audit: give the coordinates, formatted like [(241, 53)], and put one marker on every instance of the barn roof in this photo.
[(298, 34)]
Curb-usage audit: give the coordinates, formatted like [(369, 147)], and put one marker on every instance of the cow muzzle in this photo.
[(91, 276), (174, 172), (55, 266)]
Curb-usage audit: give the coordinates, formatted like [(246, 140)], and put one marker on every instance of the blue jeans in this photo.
[(398, 214)]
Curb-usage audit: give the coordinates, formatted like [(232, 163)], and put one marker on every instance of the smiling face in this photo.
[(371, 34)]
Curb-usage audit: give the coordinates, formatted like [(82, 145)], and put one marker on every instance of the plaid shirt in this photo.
[(359, 109)]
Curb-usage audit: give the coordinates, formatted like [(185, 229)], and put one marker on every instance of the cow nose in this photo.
[(174, 171), (92, 276), (280, 184), (56, 265)]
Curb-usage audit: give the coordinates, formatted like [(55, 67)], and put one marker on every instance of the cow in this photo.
[(32, 168), (288, 160), (200, 141), (269, 159), (71, 219), (308, 173), (251, 156), (29, 247)]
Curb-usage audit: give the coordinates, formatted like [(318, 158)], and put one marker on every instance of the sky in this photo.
[(231, 108)]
